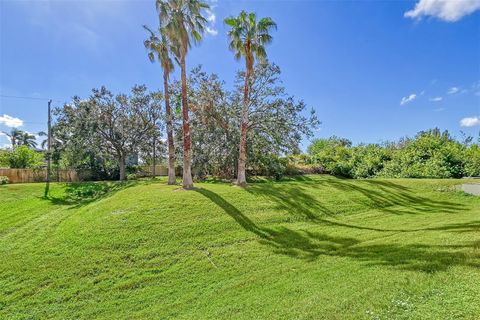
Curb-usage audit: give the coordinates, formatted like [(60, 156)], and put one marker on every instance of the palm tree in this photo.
[(159, 49), (27, 139), (14, 135), (182, 21), (248, 39)]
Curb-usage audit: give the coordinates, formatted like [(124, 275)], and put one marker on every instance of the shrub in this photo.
[(21, 157), (4, 180), (472, 161), (368, 160), (333, 154), (132, 176), (269, 166), (431, 154)]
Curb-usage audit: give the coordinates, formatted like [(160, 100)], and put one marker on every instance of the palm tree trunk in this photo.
[(187, 147), (242, 158), (171, 147)]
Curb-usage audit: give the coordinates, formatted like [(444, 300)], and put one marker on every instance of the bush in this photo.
[(368, 160), (431, 154), (333, 154), (132, 176), (4, 180), (21, 157), (472, 161), (270, 166)]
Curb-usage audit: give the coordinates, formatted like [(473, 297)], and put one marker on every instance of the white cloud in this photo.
[(211, 31), (408, 99), (210, 16), (453, 90), (10, 121), (436, 99), (446, 10), (470, 122)]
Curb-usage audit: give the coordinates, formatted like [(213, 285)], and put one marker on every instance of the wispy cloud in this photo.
[(211, 31), (210, 15), (476, 88), (470, 122), (446, 10), (453, 90), (436, 99), (408, 99), (10, 121), (211, 18), (76, 23)]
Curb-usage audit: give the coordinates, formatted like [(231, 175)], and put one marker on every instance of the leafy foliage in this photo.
[(21, 157), (431, 154), (277, 123), (103, 130), (248, 38)]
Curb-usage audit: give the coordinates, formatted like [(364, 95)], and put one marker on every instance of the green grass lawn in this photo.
[(311, 248)]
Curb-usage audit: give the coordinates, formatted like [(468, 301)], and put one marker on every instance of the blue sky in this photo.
[(373, 70)]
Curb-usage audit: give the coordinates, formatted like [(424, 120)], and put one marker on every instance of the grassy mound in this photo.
[(309, 248)]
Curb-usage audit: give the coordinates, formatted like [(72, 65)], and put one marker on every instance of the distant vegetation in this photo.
[(254, 129), (20, 157), (430, 154)]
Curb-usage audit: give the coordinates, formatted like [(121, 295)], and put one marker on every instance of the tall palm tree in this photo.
[(159, 49), (27, 139), (14, 135), (182, 21), (248, 39)]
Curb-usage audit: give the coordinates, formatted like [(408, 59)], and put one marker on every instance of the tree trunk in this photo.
[(171, 147), (242, 159), (242, 154), (187, 147), (121, 164)]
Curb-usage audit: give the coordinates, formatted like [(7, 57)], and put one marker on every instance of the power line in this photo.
[(30, 98)]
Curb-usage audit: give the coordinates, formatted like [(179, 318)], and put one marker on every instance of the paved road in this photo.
[(472, 188)]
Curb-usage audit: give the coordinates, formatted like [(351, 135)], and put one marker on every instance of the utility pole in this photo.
[(49, 146), (154, 151)]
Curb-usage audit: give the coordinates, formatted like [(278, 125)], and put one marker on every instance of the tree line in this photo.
[(254, 128), (215, 131), (430, 154)]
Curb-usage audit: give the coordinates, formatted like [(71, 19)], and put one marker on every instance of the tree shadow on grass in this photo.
[(82, 193), (386, 196), (309, 246), (381, 195)]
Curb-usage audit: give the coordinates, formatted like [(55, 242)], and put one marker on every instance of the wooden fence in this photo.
[(40, 175), (147, 171)]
